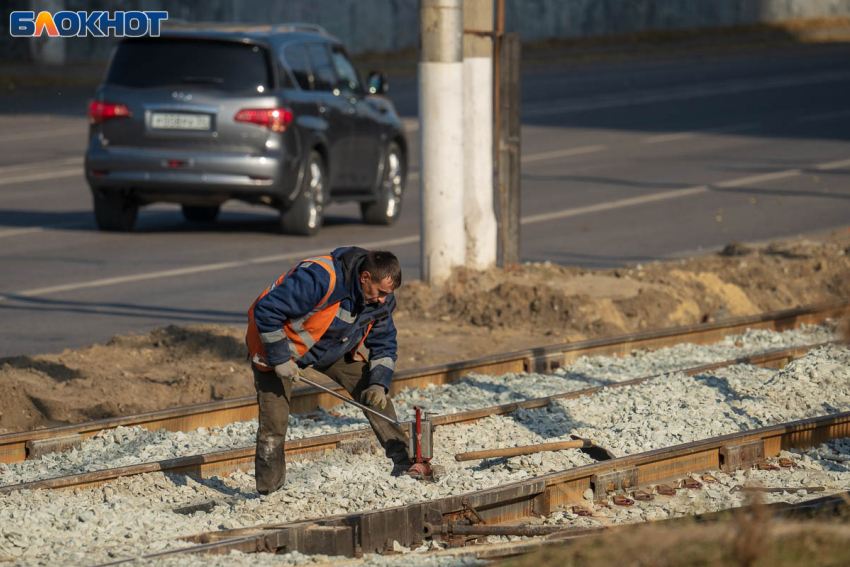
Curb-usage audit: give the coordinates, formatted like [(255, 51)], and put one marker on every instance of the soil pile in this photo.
[(475, 314)]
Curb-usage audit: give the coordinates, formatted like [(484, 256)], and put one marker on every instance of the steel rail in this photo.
[(368, 532), (14, 446), (359, 440), (825, 507)]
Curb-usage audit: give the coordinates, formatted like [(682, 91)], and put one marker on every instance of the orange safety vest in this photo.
[(305, 331)]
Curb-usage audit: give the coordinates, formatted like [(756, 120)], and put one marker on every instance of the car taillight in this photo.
[(275, 119), (102, 111)]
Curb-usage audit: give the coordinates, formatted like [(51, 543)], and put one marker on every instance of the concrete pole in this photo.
[(479, 215), (441, 138)]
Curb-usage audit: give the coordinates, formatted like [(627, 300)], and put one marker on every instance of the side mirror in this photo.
[(377, 83)]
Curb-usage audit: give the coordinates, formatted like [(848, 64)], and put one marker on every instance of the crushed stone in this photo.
[(134, 516), (125, 446)]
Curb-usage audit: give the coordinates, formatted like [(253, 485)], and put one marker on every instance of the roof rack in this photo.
[(301, 27), (177, 24)]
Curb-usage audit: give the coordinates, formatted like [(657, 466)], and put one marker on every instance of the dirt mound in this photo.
[(168, 367), (547, 298), (475, 314)]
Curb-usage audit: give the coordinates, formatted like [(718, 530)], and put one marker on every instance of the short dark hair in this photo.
[(382, 265)]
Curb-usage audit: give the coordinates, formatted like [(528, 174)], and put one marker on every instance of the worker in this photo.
[(318, 314)]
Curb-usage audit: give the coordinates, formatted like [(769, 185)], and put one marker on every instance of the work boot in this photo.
[(401, 467)]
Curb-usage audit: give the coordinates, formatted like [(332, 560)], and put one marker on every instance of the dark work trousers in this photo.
[(273, 395)]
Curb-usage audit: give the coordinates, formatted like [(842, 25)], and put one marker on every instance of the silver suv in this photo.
[(273, 115)]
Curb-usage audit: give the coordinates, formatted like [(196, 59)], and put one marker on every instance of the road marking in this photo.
[(678, 193), (410, 124), (599, 207), (39, 166), (412, 239), (42, 176), (749, 180), (685, 93), (205, 268), (833, 165), (36, 135), (823, 116), (19, 231), (562, 153), (661, 138)]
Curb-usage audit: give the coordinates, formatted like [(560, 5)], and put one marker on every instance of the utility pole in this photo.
[(509, 149), (441, 138), (478, 212)]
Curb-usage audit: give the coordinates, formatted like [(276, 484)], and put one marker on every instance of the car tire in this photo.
[(305, 214), (386, 210), (115, 212), (200, 214)]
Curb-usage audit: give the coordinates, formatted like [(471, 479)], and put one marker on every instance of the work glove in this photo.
[(374, 396), (288, 371)]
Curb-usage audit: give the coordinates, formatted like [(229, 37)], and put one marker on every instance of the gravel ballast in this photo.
[(133, 516), (135, 445)]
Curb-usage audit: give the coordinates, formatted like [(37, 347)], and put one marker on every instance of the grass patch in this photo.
[(742, 541)]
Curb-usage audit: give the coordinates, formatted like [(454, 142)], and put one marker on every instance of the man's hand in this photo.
[(288, 371), (375, 396)]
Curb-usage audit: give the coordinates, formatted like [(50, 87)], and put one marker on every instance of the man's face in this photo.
[(374, 291)]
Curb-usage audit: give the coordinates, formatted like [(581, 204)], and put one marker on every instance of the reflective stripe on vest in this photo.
[(302, 332), (353, 352)]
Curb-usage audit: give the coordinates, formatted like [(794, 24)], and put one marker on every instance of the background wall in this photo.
[(391, 25)]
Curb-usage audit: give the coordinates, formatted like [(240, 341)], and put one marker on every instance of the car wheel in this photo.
[(305, 214), (200, 214), (386, 210), (115, 212)]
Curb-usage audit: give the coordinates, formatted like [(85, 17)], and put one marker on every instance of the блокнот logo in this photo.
[(82, 24)]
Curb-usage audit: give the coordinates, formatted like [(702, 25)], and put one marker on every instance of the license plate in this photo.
[(172, 121)]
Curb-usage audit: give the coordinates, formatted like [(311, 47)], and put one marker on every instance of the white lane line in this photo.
[(39, 166), (751, 179), (678, 193), (531, 219), (410, 124), (833, 165), (205, 268), (685, 93), (599, 207), (661, 138), (562, 153), (19, 231), (823, 116), (35, 135), (42, 176)]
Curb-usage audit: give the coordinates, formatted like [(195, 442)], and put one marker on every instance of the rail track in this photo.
[(225, 462), (353, 535), (505, 505), (19, 446)]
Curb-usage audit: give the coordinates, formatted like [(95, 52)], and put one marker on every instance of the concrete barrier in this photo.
[(392, 25)]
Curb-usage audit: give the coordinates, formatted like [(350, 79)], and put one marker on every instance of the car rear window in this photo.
[(221, 65)]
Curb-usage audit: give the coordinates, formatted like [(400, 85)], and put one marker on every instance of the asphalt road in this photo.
[(622, 162)]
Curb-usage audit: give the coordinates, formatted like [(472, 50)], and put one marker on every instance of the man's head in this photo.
[(380, 275)]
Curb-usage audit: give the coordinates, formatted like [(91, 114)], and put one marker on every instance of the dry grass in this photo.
[(748, 539)]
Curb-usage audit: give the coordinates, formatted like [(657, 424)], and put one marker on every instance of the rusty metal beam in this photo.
[(516, 501)]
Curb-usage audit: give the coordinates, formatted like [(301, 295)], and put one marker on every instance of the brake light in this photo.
[(102, 111), (275, 119)]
